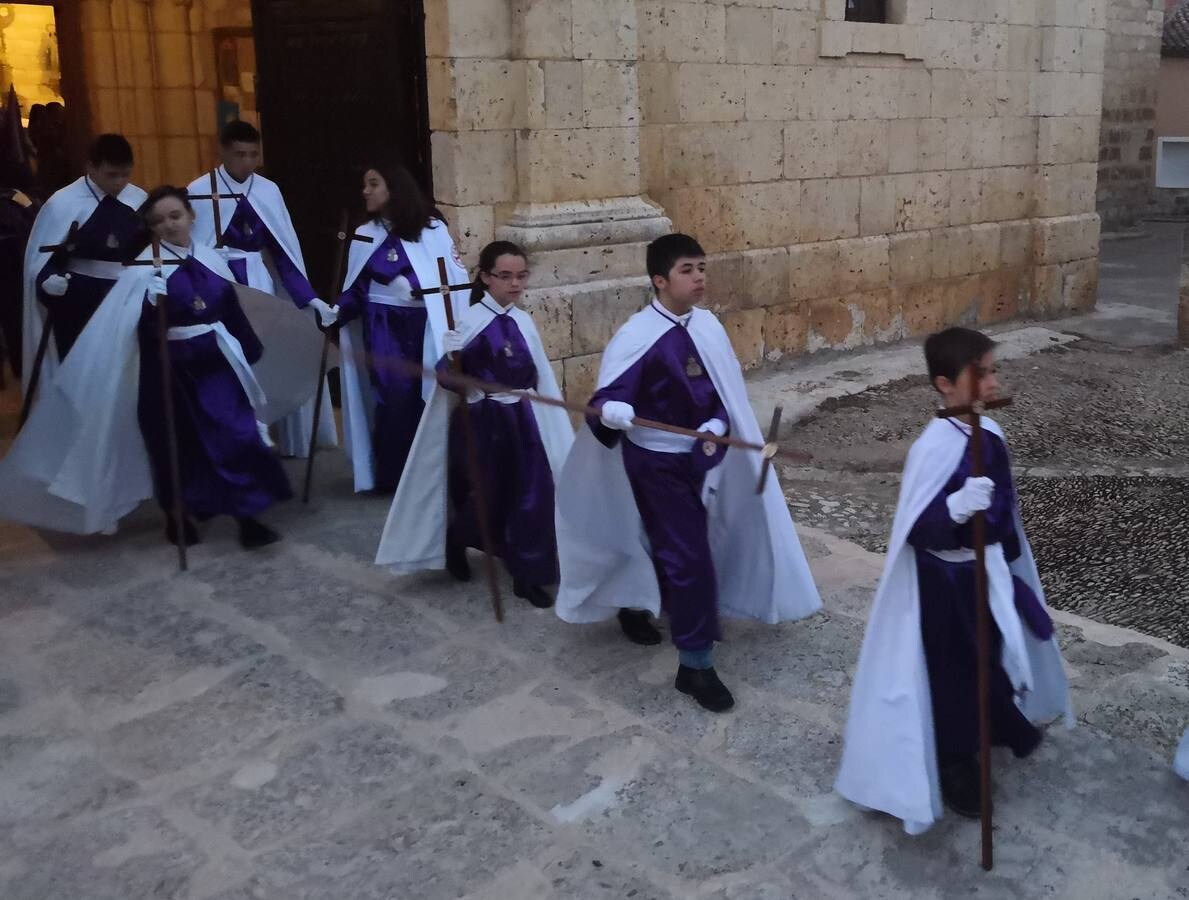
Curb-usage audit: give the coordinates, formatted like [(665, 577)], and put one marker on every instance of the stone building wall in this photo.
[(1126, 170), (854, 182)]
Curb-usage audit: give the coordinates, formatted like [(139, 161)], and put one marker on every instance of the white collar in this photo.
[(683, 321), (179, 252), (495, 306), (96, 190)]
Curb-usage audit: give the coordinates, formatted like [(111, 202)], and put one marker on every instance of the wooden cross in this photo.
[(175, 469), (345, 236), (770, 448), (214, 196), (472, 450), (974, 411), (47, 328)]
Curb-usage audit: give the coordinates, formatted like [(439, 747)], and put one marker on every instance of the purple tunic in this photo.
[(247, 231), (517, 482), (669, 383), (113, 233), (390, 333), (226, 467), (948, 615)]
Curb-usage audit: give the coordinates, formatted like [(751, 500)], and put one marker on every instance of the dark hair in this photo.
[(664, 252), (488, 257), (949, 352), (238, 131), (155, 196), (409, 209), (112, 149)]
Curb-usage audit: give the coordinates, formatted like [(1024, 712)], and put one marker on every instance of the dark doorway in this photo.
[(866, 10), (339, 83)]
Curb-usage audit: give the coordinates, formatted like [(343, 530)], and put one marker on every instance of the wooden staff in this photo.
[(171, 425), (214, 196), (983, 611), (47, 328), (344, 236), (472, 450)]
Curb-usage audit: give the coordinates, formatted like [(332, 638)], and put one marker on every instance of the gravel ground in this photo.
[(1100, 437)]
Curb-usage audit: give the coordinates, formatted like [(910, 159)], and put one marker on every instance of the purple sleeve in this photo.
[(241, 329), (934, 529), (296, 284), (352, 301), (624, 389)]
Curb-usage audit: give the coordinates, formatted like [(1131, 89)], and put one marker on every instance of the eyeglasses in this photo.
[(519, 277)]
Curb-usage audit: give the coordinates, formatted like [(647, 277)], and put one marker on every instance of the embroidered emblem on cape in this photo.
[(508, 349), (198, 305), (709, 448), (692, 369), (393, 256), (113, 242)]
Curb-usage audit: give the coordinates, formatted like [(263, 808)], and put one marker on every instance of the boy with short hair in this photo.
[(647, 520), (912, 736)]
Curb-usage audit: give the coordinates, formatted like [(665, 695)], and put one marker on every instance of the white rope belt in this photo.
[(961, 555), (660, 441), (231, 350), (95, 268), (506, 399)]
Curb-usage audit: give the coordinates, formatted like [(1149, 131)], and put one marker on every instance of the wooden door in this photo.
[(340, 83)]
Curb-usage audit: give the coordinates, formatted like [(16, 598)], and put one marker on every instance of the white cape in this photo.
[(889, 761), (358, 402), (73, 203), (80, 464), (605, 564), (269, 204), (414, 535)]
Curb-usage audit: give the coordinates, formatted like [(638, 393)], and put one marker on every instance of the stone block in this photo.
[(786, 330), (745, 328), (773, 92), (810, 150), (474, 167), (931, 140), (1015, 243), (832, 326), (552, 313), (836, 39), (543, 29), (657, 102), (594, 263), (472, 227), (725, 289), (681, 32), (922, 201), (604, 30), (726, 153), (829, 209), (877, 315), (825, 95), (767, 214), (953, 252), (1061, 49), (877, 205), (1019, 144), (766, 276), (175, 112), (1001, 295), (1067, 140), (1067, 238), (1054, 191), (1013, 93), (795, 41), (904, 152), (985, 246), (910, 258), (1079, 286), (610, 94), (863, 265), (1047, 290), (553, 91), (749, 35), (1093, 50), (709, 92), (812, 270), (960, 137), (1083, 187), (923, 307), (862, 147), (950, 97), (986, 144), (1010, 195), (478, 94), (699, 210), (180, 158), (580, 376), (577, 164), (874, 94), (654, 177), (914, 99), (1023, 48), (968, 196)]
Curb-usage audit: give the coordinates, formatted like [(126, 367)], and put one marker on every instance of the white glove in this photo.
[(56, 285), (452, 341), (716, 427), (974, 496), (617, 414), (327, 314), (157, 286)]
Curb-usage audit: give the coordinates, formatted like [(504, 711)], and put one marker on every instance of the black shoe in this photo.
[(703, 685), (637, 625), (189, 531), (534, 594), (960, 787), (456, 562), (254, 534)]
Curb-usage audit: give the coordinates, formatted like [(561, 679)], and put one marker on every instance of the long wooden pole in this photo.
[(171, 425), (47, 327), (979, 527), (472, 451)]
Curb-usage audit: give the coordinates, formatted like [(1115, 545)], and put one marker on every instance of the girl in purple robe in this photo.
[(393, 258), (226, 467)]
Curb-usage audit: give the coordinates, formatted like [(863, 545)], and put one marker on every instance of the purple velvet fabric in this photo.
[(247, 231), (948, 614), (517, 483), (669, 383), (226, 467), (112, 223)]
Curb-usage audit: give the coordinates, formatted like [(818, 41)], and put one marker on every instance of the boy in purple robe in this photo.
[(913, 734), (70, 283), (519, 446), (673, 362), (226, 467)]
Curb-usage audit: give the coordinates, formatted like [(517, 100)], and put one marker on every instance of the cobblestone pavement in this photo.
[(297, 724)]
